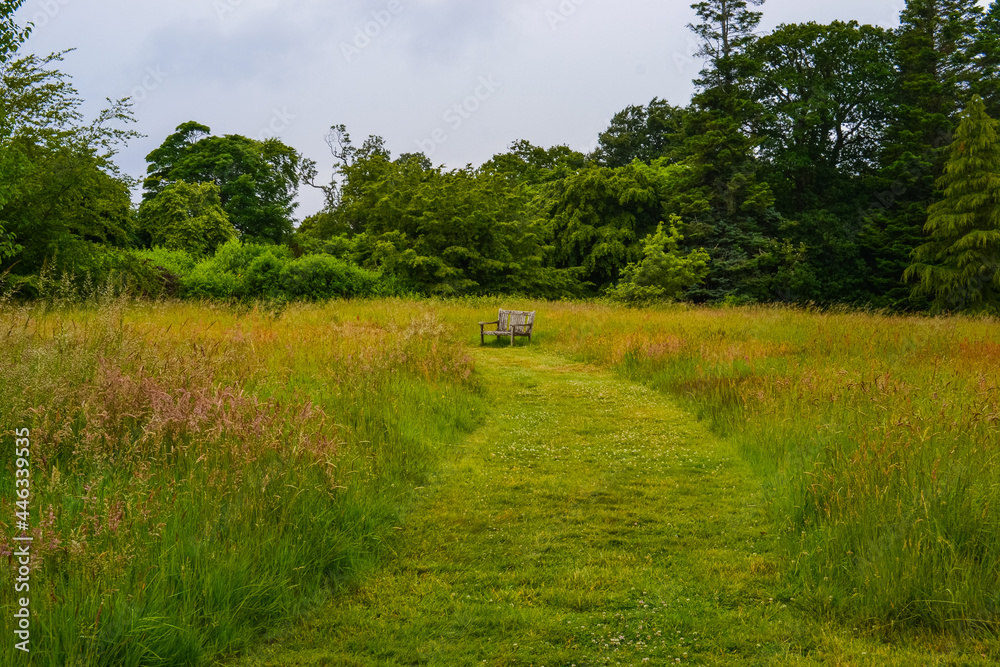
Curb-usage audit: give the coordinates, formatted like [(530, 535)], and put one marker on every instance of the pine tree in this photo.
[(934, 59), (987, 59), (720, 149), (960, 264), (726, 31)]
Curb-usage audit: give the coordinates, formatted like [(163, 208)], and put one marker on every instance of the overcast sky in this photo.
[(458, 79)]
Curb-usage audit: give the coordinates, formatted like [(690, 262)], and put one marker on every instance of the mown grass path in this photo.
[(589, 521)]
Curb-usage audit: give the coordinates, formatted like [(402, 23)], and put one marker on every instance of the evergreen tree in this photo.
[(729, 208), (663, 273), (960, 264), (934, 56), (726, 31), (598, 215), (987, 59)]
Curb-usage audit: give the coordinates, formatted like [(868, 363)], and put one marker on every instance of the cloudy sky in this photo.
[(457, 79)]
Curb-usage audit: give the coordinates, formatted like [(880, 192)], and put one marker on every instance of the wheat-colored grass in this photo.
[(201, 474)]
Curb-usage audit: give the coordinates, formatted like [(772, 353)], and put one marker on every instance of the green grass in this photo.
[(201, 476), (590, 521), (360, 483), (875, 436)]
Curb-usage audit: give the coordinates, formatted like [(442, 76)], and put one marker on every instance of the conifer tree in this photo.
[(726, 31), (960, 264), (720, 149), (987, 59), (934, 58), (663, 273)]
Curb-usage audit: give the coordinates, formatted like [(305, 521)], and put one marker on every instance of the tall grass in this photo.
[(200, 475), (876, 438)]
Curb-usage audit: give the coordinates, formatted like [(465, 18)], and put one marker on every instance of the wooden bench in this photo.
[(509, 323)]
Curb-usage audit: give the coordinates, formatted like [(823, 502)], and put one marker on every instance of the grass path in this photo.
[(589, 521)]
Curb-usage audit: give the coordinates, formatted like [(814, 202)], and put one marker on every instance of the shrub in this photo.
[(236, 257), (664, 273), (237, 270), (317, 277), (206, 280), (178, 262), (263, 276), (250, 271)]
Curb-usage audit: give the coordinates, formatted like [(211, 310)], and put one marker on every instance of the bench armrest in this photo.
[(482, 324)]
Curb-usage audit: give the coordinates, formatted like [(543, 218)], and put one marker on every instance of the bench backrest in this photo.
[(522, 319)]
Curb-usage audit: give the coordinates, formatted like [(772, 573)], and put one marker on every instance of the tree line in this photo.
[(824, 163)]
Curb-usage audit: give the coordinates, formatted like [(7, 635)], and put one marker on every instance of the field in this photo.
[(361, 483)]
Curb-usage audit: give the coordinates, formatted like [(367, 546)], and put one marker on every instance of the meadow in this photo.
[(202, 474), (875, 437)]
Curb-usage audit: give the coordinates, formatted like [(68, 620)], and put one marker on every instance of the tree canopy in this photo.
[(257, 180), (813, 163)]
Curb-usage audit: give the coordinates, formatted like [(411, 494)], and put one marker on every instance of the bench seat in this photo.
[(509, 323)]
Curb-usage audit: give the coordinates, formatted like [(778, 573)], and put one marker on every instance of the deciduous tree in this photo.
[(186, 216), (642, 133), (257, 180), (824, 93), (62, 195)]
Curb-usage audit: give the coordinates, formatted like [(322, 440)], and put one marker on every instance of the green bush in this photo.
[(178, 262), (251, 271), (206, 280), (263, 276), (236, 257), (169, 266), (318, 277)]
